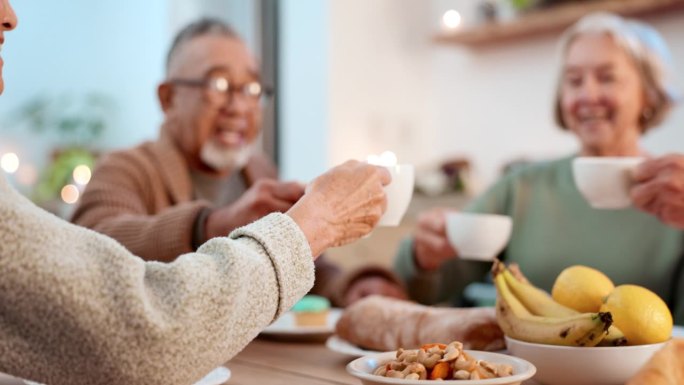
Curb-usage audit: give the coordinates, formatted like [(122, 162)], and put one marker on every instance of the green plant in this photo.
[(59, 172), (76, 120), (73, 125), (522, 5)]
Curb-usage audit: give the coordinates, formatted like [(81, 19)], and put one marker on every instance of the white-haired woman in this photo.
[(613, 88)]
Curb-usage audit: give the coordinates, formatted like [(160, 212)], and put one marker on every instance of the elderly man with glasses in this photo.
[(204, 176)]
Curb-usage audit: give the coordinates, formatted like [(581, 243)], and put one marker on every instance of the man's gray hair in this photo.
[(649, 52), (201, 27)]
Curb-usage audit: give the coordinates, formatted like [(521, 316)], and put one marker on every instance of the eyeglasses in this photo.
[(219, 89)]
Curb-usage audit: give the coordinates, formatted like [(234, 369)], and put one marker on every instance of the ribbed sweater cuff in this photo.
[(290, 253)]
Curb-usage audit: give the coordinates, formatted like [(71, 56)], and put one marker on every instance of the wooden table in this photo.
[(272, 362), (268, 362)]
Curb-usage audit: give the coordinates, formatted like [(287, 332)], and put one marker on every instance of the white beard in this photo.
[(223, 159)]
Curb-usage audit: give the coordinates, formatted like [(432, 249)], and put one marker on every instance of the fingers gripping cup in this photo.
[(605, 181), (399, 193), (478, 236), (400, 189)]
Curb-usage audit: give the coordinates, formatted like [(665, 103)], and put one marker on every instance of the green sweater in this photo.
[(553, 228)]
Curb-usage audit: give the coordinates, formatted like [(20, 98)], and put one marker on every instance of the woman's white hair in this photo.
[(649, 52)]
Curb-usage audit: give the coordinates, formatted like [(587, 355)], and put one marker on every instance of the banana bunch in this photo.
[(527, 313)]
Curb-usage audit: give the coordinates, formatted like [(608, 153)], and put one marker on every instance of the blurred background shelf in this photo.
[(552, 19)]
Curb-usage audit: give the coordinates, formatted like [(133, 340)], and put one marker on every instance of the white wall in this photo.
[(304, 95), (78, 46), (381, 93), (391, 87)]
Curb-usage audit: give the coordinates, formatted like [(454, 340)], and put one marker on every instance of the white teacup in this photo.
[(605, 181), (478, 236), (399, 193)]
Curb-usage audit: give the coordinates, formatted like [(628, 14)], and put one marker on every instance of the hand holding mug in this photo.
[(341, 205), (659, 189), (431, 245)]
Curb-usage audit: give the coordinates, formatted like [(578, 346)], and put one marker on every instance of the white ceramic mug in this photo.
[(399, 193), (478, 236), (605, 181)]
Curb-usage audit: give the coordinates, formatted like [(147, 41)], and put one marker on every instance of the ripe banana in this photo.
[(615, 337), (536, 300), (515, 320), (540, 303)]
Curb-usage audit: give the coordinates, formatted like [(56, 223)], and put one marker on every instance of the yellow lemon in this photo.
[(581, 288), (641, 315)]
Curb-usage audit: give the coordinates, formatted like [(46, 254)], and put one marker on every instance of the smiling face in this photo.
[(9, 22), (602, 96), (216, 134)]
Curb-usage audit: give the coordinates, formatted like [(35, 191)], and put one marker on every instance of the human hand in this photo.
[(341, 205), (370, 285), (431, 245), (264, 197), (659, 189)]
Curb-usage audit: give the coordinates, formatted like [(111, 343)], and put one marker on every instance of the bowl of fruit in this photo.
[(586, 331)]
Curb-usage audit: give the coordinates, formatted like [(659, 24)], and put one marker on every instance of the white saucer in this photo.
[(217, 376), (286, 326), (340, 345)]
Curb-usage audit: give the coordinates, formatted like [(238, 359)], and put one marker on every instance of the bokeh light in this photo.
[(9, 162), (451, 19), (70, 194), (82, 174)]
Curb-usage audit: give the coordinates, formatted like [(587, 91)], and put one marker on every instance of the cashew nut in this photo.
[(381, 370), (396, 365), (407, 356), (504, 370), (416, 368), (451, 353), (462, 375), (462, 363)]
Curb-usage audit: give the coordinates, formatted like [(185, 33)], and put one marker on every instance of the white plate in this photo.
[(678, 331), (217, 376), (286, 326), (340, 345), (363, 368)]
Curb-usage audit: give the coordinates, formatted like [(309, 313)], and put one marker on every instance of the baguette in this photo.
[(666, 367), (385, 324)]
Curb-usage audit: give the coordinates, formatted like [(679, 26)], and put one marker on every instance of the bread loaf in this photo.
[(384, 324), (666, 367)]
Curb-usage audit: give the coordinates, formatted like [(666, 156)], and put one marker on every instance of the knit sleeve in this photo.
[(78, 308)]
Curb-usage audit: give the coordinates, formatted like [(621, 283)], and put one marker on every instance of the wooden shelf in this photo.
[(552, 19)]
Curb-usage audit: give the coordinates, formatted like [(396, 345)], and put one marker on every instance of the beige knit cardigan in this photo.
[(77, 308), (143, 198)]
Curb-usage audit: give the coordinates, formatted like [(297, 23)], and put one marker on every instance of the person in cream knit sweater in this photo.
[(77, 308)]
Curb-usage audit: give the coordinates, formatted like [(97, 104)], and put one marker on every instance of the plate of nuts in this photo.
[(447, 363)]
